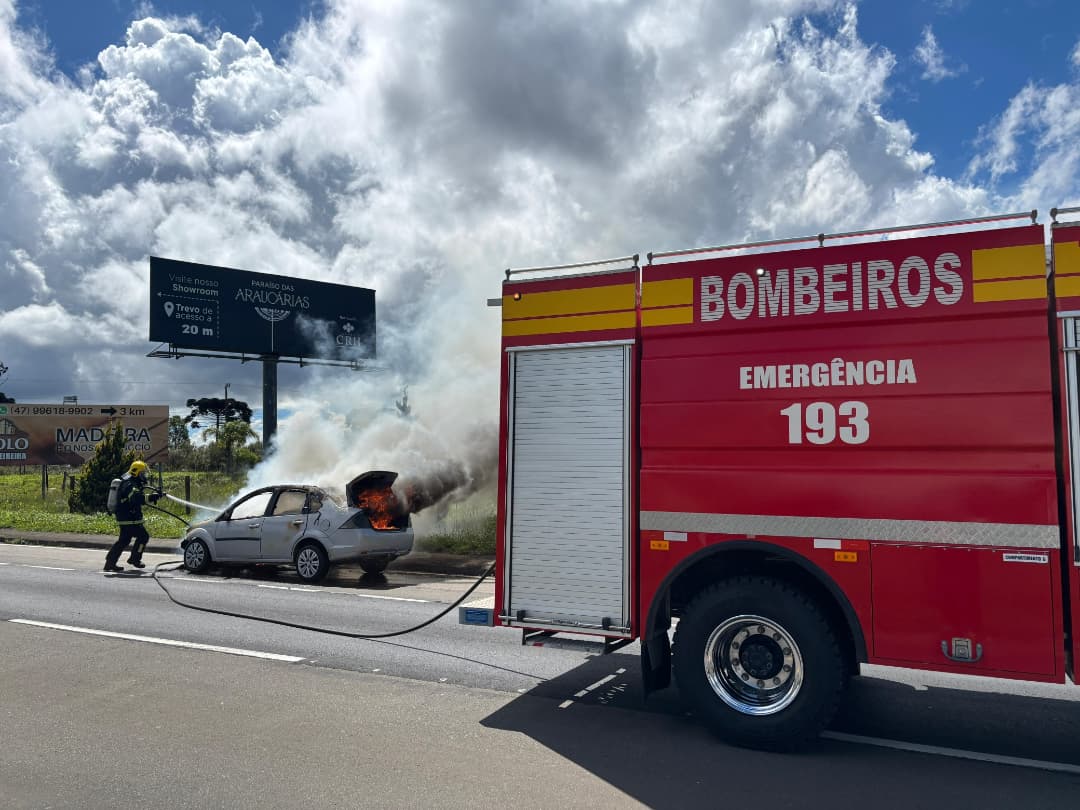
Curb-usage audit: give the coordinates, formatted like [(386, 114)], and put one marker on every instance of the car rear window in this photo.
[(290, 502)]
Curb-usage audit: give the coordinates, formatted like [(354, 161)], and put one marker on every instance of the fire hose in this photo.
[(176, 564)]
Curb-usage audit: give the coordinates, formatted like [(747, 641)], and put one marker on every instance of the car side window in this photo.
[(290, 502), (251, 507)]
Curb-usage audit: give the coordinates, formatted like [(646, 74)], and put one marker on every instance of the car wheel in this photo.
[(374, 566), (759, 661), (196, 556), (312, 563)]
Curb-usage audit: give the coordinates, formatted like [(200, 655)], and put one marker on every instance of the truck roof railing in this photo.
[(1055, 211), (821, 237), (633, 259)]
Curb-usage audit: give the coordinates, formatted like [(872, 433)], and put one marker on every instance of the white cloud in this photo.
[(929, 54), (421, 147), (1031, 147)]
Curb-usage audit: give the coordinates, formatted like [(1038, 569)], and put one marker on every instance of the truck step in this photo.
[(595, 645)]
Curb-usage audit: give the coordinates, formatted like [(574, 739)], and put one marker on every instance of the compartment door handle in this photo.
[(958, 656)]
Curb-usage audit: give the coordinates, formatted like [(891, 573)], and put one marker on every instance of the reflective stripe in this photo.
[(1020, 535)]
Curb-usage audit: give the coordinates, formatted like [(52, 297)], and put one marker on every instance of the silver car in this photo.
[(303, 525)]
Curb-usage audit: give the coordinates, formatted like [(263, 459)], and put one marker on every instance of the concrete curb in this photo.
[(421, 562)]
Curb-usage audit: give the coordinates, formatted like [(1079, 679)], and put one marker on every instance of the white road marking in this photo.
[(47, 567), (588, 689), (197, 579), (391, 598), (191, 645), (998, 759), (301, 590)]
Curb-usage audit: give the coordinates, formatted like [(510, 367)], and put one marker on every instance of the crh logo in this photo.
[(348, 328)]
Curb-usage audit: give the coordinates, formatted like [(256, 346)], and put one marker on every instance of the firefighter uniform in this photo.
[(129, 503)]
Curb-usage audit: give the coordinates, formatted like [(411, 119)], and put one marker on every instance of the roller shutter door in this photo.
[(569, 497)]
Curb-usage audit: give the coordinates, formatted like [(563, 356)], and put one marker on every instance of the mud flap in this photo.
[(655, 663)]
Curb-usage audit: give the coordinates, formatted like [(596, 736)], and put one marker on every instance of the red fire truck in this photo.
[(809, 457)]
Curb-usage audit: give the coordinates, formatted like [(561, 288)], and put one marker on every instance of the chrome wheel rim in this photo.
[(308, 562), (194, 555), (754, 665)]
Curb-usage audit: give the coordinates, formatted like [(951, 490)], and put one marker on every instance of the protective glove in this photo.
[(154, 498)]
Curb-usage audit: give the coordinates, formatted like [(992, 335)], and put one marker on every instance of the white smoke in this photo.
[(428, 411)]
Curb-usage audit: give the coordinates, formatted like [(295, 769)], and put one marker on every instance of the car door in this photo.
[(284, 525), (238, 538)]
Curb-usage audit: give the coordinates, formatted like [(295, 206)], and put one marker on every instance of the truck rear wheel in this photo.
[(758, 660)]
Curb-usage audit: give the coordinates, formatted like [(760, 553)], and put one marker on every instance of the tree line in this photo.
[(229, 444)]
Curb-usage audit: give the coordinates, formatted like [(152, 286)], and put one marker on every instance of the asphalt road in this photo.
[(448, 716)]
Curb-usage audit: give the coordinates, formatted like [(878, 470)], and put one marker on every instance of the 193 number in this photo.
[(817, 422)]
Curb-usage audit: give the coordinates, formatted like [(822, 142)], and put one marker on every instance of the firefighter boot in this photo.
[(135, 557)]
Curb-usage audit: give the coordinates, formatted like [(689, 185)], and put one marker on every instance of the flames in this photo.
[(383, 509), (388, 508)]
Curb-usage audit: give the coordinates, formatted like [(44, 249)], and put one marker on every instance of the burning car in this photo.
[(305, 526)]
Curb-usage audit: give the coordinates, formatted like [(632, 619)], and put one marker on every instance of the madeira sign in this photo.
[(69, 434)]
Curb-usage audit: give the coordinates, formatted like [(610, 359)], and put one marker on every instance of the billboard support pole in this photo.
[(269, 365)]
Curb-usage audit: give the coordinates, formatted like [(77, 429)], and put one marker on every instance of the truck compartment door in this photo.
[(966, 609), (569, 493), (1069, 337)]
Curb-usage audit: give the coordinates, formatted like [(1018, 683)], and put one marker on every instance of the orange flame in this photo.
[(382, 507)]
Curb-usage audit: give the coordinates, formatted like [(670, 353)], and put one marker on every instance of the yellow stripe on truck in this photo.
[(1022, 261), (573, 323), (1066, 259), (667, 317), (670, 293), (1009, 290), (608, 298), (1067, 287)]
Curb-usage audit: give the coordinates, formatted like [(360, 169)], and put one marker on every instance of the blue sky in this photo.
[(79, 29), (990, 50)]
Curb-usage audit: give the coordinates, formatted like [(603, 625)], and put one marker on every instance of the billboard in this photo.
[(199, 306), (68, 434)]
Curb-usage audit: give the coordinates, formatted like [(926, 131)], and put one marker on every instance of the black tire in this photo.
[(311, 562), (760, 663), (374, 566), (197, 556)]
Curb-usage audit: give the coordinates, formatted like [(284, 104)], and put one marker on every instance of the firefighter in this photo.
[(129, 503)]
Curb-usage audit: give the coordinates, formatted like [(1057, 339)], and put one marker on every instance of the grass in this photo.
[(470, 532), (22, 507), (466, 531)]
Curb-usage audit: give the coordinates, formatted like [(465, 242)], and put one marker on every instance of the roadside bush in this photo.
[(108, 462)]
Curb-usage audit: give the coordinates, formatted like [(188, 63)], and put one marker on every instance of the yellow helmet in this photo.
[(137, 468)]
